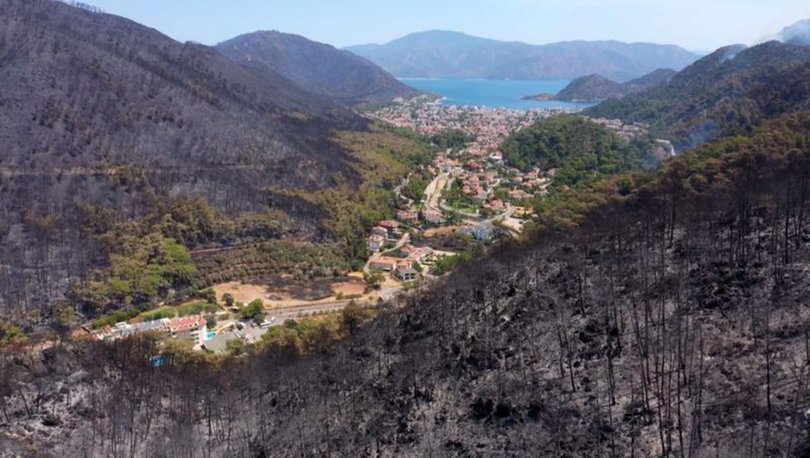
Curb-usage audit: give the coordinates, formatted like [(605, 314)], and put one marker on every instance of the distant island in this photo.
[(544, 97)]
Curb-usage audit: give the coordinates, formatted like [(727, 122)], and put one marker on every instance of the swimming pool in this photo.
[(210, 335)]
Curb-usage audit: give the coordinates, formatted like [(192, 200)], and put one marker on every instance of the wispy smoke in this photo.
[(798, 33)]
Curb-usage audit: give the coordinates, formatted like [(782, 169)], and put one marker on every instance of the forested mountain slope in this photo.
[(317, 67), (581, 151), (728, 92), (596, 88), (673, 321)]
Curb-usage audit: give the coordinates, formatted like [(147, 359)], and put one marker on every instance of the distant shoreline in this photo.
[(509, 94)]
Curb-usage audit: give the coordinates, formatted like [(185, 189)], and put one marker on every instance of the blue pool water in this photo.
[(211, 335), (493, 93)]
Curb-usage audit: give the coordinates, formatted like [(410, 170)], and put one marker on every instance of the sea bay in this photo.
[(493, 93)]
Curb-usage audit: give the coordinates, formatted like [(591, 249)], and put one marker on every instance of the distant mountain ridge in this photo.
[(728, 92), (597, 88), (319, 68), (443, 54)]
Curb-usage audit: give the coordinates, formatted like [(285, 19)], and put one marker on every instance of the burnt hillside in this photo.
[(317, 67), (97, 110), (673, 322)]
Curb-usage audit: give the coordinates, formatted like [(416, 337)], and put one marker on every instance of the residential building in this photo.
[(495, 204), (433, 216), (375, 243), (384, 263), (379, 230), (519, 194), (409, 215), (484, 231), (192, 327), (420, 255), (391, 225), (161, 326), (406, 273)]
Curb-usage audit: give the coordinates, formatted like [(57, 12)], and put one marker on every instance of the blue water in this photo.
[(493, 93), (211, 335)]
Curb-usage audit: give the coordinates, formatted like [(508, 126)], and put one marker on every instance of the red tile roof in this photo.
[(186, 323)]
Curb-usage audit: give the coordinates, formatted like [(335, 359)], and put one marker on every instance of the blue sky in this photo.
[(694, 24)]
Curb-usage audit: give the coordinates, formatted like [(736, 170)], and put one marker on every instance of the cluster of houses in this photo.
[(476, 184), (489, 125), (403, 268), (381, 234), (191, 327), (479, 180), (533, 180)]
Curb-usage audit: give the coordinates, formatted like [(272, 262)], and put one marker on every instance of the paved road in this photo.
[(282, 313), (433, 192), (387, 293)]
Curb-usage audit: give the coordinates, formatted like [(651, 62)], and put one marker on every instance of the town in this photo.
[(466, 196)]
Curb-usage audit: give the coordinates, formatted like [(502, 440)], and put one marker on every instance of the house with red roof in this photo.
[(391, 225), (192, 327)]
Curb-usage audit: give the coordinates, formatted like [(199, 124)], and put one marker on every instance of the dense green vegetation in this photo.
[(311, 335), (147, 258), (253, 311), (580, 150), (451, 139), (415, 190), (695, 174), (141, 270), (445, 264), (455, 197)]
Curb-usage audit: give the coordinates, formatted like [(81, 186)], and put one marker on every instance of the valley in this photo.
[(272, 246), (461, 200)]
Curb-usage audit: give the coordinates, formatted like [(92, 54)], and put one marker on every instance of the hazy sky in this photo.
[(694, 24)]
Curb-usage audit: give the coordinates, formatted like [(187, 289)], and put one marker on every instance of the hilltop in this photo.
[(597, 88), (317, 67), (443, 54)]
